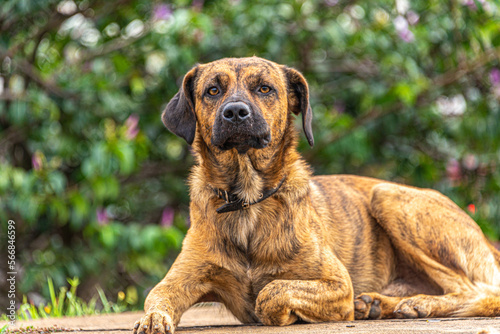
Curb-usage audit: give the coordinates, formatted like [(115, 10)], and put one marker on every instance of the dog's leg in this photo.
[(382, 305), (189, 279), (282, 302), (439, 239), (472, 304)]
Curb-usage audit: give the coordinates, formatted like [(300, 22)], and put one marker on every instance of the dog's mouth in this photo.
[(243, 142)]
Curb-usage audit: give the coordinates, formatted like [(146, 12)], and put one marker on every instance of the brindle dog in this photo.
[(275, 244)]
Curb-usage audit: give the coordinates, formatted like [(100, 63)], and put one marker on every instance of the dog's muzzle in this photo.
[(238, 125)]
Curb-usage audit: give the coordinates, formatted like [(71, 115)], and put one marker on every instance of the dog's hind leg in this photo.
[(470, 304), (436, 238)]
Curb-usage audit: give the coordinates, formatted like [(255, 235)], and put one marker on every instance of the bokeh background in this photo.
[(401, 90)]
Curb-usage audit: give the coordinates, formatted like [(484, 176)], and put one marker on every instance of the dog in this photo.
[(276, 245)]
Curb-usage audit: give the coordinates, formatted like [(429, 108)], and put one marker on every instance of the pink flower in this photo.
[(198, 4), (401, 26), (132, 126), (470, 162), (495, 77), (331, 3), (36, 161), (472, 4), (453, 170), (469, 3), (412, 17), (167, 217), (407, 36), (102, 216), (162, 12)]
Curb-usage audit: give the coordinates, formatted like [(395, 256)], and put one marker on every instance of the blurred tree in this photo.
[(404, 91)]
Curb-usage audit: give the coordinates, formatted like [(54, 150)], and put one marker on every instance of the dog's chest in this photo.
[(257, 256)]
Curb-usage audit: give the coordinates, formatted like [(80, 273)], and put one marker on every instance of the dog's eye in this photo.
[(213, 91), (264, 89)]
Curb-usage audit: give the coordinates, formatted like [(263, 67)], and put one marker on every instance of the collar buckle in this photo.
[(235, 204)]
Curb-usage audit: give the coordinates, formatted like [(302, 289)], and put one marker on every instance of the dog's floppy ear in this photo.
[(298, 100), (179, 116)]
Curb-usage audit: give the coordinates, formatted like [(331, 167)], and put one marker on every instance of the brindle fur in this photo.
[(308, 250)]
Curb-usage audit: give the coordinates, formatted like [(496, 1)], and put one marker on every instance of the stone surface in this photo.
[(214, 319)]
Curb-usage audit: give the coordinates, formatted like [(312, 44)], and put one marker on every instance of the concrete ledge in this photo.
[(215, 319)]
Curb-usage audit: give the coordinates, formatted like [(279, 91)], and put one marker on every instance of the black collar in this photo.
[(233, 203)]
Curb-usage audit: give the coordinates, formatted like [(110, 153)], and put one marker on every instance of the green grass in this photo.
[(66, 303)]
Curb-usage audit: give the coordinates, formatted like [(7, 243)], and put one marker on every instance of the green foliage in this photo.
[(404, 91), (66, 303)]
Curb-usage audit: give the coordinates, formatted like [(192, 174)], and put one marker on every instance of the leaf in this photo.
[(126, 156), (406, 93), (122, 64)]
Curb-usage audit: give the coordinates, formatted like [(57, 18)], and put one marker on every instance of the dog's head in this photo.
[(240, 103)]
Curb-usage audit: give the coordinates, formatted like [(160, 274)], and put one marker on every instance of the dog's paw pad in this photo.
[(367, 307)]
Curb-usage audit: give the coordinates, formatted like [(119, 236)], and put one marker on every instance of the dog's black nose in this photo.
[(236, 112)]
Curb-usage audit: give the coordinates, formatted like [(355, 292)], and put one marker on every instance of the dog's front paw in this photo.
[(271, 306), (155, 322), (414, 307)]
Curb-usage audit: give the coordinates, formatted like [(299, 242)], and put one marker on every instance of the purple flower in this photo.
[(102, 216), (132, 126), (167, 217), (331, 3), (198, 4), (401, 26), (406, 35), (36, 161), (469, 3), (162, 12), (495, 77), (412, 17), (472, 4), (339, 107)]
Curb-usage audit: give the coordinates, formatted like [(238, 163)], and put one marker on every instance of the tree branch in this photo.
[(48, 85), (445, 79), (455, 74), (113, 45), (373, 115), (153, 170)]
